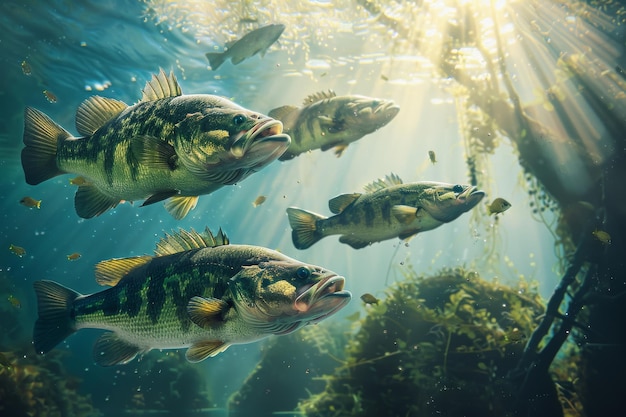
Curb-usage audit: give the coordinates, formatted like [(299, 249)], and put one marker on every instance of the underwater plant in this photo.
[(440, 345), (34, 386)]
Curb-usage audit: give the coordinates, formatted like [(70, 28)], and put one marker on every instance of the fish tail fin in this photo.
[(304, 224), (55, 321), (215, 59), (41, 137)]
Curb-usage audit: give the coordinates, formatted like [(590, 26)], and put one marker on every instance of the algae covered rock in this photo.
[(440, 345)]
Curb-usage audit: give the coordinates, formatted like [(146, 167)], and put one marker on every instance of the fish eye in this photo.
[(239, 119), (457, 188), (303, 273)]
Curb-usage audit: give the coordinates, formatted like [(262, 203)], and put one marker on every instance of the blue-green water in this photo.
[(77, 49)]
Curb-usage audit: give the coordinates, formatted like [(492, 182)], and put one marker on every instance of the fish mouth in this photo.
[(323, 299), (471, 196), (450, 209), (266, 135)]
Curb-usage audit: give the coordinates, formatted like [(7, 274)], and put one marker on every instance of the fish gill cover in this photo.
[(523, 100)]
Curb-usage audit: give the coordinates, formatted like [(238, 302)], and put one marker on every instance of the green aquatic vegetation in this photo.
[(441, 344), (31, 385)]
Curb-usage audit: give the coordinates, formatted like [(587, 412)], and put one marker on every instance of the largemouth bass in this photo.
[(329, 121), (387, 210), (252, 43), (167, 146), (197, 292)]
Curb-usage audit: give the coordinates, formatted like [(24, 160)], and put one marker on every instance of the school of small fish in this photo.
[(198, 291)]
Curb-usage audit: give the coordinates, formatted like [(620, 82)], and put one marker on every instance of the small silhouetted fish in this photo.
[(368, 298), (432, 156), (602, 236), (15, 302), (74, 256), (259, 200), (50, 96), (499, 205), (18, 250), (252, 43), (30, 202), (26, 68)]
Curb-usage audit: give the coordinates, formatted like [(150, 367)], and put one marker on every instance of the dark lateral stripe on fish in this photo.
[(370, 215), (156, 297), (181, 306), (386, 211)]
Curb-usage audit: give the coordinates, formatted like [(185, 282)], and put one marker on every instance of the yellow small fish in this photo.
[(78, 181), (14, 301), (19, 251), (50, 96), (368, 298), (432, 156), (74, 256), (499, 205), (26, 68), (30, 202), (602, 236), (259, 200)]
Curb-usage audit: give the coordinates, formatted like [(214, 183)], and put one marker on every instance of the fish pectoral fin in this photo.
[(339, 203), (160, 196), (154, 152), (111, 350), (112, 271), (95, 112), (354, 242), (206, 312), (89, 201), (161, 86), (208, 348), (178, 207), (405, 214)]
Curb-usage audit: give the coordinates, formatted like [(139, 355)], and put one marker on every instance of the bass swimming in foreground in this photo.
[(197, 292), (387, 210), (167, 146)]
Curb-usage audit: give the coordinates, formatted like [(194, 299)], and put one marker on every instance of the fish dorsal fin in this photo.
[(205, 312), (382, 183), (161, 86), (111, 272), (183, 240), (95, 112), (319, 96), (281, 113), (339, 203), (199, 351)]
